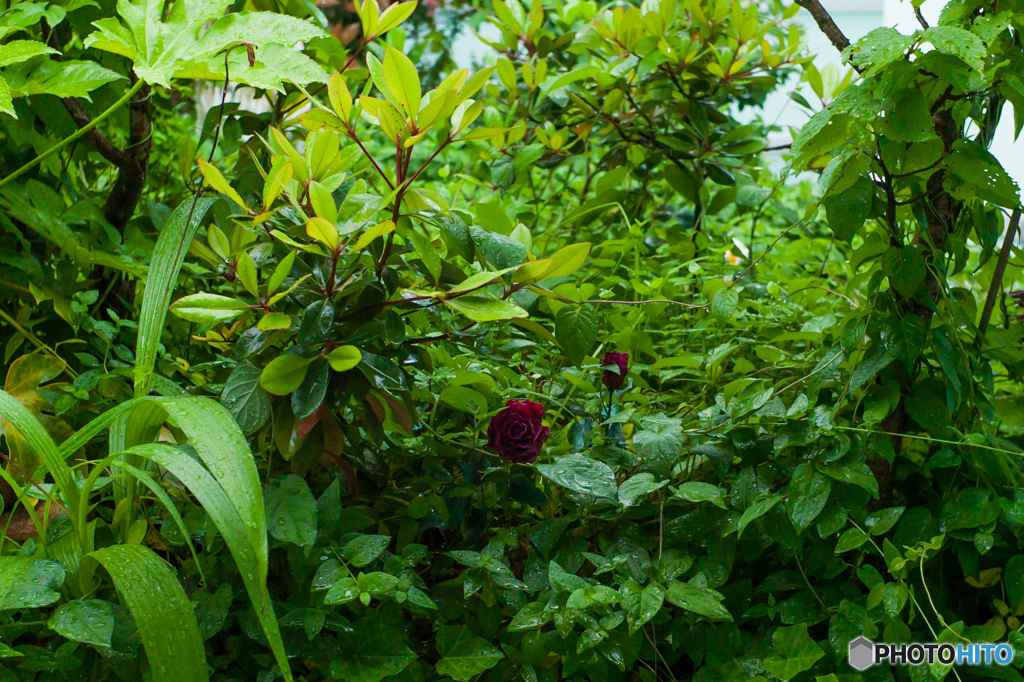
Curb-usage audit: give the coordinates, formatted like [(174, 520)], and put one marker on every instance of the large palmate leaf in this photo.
[(160, 608), (179, 47)]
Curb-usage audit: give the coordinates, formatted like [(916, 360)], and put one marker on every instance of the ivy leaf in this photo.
[(848, 210), (576, 329), (808, 493), (795, 652), (975, 174), (365, 548), (28, 583), (637, 487), (87, 621), (723, 305), (582, 475), (464, 656), (482, 309), (660, 442), (246, 400), (382, 653), (697, 600), (291, 511)]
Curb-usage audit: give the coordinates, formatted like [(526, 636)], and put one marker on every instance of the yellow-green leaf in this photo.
[(324, 232), (272, 321), (480, 309), (280, 273), (337, 91), (284, 374), (344, 358), (207, 308), (402, 80), (217, 181), (378, 230), (394, 15), (246, 272)]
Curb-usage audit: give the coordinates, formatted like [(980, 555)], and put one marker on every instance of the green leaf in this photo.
[(697, 600), (497, 249), (245, 399), (883, 520), (877, 49), (291, 511), (794, 653), (906, 269), (464, 656), (848, 210), (723, 305), (582, 475), (207, 308), (31, 429), (808, 493), (637, 487), (344, 358), (171, 247), (213, 176), (362, 550), (87, 621), (402, 80), (382, 653), (850, 539), (284, 374), (165, 43), (163, 614), (22, 50), (72, 78), (697, 491), (959, 43), (576, 328), (753, 512), (975, 174), (481, 309), (27, 583)]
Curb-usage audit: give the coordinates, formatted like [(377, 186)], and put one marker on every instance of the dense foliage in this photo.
[(328, 359)]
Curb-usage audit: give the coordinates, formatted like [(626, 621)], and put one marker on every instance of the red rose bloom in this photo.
[(516, 433), (610, 379)]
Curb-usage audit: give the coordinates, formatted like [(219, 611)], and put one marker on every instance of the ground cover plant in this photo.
[(327, 359)]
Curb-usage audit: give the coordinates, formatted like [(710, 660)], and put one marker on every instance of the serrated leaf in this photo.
[(582, 475), (576, 328)]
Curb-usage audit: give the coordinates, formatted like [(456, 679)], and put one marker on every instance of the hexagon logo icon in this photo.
[(861, 654)]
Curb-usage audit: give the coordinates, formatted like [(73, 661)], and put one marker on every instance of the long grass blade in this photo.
[(54, 462), (167, 624)]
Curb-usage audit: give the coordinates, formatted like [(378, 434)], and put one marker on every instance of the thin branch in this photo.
[(920, 17), (824, 21), (997, 277), (99, 141)]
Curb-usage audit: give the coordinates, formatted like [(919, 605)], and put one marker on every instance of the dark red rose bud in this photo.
[(611, 379), (516, 433)]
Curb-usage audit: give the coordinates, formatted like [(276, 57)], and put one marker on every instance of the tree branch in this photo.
[(997, 277), (121, 203), (824, 21), (99, 141)]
